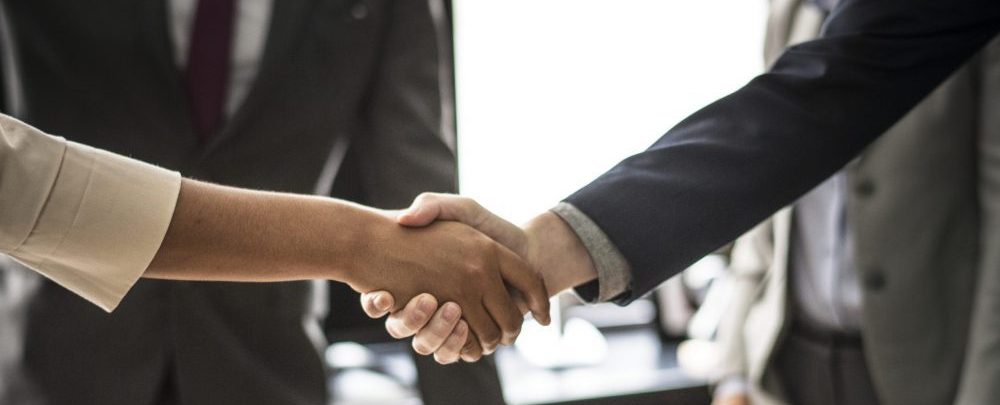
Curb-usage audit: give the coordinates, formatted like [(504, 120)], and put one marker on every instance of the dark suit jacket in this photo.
[(730, 165), (102, 73)]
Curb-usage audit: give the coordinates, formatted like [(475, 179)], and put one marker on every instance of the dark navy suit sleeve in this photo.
[(733, 163)]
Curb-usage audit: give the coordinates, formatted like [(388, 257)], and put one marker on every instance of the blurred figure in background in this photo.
[(874, 288), (17, 285), (263, 94)]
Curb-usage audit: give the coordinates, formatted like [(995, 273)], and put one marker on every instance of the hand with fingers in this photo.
[(456, 263), (546, 244), (437, 331)]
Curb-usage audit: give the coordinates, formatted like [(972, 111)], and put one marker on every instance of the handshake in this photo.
[(444, 249), (487, 273)]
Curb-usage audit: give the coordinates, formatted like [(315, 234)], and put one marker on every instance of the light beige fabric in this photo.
[(88, 219), (752, 325)]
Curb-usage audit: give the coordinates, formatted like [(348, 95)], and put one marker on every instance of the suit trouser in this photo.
[(472, 383), (819, 368)]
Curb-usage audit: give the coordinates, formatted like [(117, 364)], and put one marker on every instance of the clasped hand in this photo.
[(491, 285), (460, 329)]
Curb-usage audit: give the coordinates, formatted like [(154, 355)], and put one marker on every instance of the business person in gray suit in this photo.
[(262, 94), (916, 210)]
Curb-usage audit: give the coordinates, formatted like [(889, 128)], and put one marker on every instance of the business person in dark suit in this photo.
[(730, 165), (254, 93)]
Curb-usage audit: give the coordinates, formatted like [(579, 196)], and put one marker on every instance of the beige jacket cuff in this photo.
[(101, 216), (614, 275)]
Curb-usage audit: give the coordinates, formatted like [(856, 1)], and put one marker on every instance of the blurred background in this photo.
[(514, 103)]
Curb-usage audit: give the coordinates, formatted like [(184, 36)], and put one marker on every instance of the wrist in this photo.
[(554, 249), (354, 244)]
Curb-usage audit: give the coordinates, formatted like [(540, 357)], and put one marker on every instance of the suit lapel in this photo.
[(288, 20)]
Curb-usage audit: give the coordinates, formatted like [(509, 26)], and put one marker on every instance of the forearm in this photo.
[(226, 234), (730, 165)]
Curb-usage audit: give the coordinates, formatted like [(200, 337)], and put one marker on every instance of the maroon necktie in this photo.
[(208, 64)]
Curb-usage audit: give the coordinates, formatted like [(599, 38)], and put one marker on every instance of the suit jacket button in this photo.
[(874, 280), (359, 11), (865, 187)]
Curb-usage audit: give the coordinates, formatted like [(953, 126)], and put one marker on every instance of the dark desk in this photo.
[(638, 370)]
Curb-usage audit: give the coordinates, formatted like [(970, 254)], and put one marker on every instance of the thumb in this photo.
[(430, 207), (424, 211), (377, 304)]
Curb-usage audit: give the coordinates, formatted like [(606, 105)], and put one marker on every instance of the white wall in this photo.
[(552, 93)]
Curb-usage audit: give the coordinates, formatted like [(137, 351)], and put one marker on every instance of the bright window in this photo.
[(552, 93)]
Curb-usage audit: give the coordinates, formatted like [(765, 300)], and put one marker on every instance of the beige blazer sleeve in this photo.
[(87, 219)]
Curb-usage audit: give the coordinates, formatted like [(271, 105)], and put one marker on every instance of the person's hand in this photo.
[(546, 243), (732, 399), (224, 234), (435, 331), (565, 263), (430, 207), (459, 264)]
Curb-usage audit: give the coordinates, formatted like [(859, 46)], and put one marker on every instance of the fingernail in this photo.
[(425, 305), (381, 302), (450, 312)]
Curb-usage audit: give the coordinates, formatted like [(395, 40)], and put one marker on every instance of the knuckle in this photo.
[(465, 202), (510, 329), (515, 331), (391, 328), (471, 346), (461, 333), (449, 356), (444, 360), (413, 321), (476, 264), (491, 338), (372, 312), (375, 313), (425, 197), (436, 334), (421, 347)]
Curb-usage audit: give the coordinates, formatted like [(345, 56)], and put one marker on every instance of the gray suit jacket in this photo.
[(925, 208), (102, 73)]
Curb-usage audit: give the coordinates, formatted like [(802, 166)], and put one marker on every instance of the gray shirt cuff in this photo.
[(614, 275)]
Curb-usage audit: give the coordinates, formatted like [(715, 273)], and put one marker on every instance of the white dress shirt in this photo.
[(251, 23), (824, 281)]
